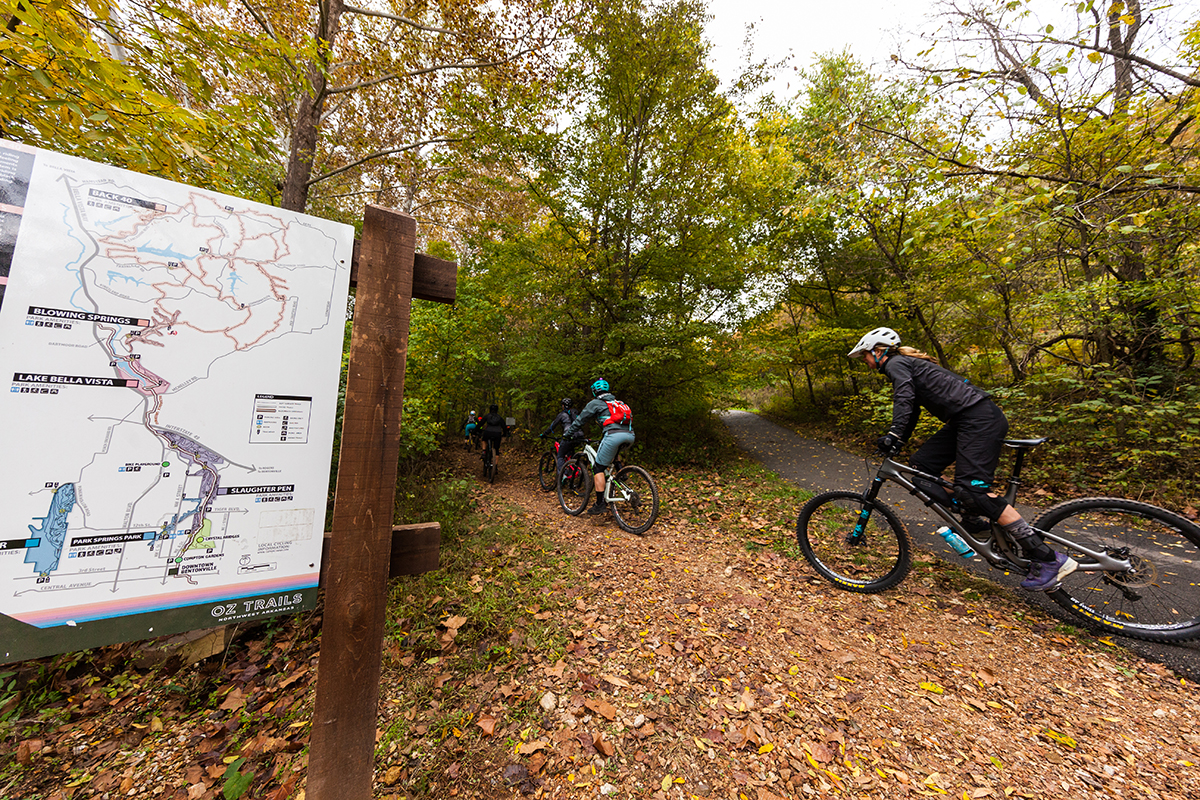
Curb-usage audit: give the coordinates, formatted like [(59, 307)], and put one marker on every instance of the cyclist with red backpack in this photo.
[(616, 421)]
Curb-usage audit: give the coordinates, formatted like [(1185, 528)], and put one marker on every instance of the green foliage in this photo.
[(235, 783), (121, 83)]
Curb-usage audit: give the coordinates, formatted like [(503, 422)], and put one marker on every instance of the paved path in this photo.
[(819, 467)]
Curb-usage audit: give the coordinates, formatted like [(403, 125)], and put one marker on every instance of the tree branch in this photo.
[(972, 170), (436, 68), (397, 18), (380, 154)]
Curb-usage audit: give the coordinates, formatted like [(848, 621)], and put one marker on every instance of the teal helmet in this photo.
[(599, 387)]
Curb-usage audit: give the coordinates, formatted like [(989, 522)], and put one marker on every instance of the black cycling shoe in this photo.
[(597, 508)]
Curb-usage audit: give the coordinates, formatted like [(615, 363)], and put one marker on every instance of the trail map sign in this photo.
[(171, 358)]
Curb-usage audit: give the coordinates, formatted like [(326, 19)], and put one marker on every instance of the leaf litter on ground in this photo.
[(702, 660)]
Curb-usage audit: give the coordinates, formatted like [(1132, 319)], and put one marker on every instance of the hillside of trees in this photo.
[(1016, 197)]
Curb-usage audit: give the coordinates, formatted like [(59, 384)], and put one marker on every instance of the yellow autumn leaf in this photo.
[(931, 687), (766, 748), (792, 670), (666, 782), (1061, 738)]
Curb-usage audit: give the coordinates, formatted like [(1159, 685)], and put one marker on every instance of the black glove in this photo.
[(541, 436), (888, 444)]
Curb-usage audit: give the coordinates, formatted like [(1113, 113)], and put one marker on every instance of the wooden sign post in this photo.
[(390, 274)]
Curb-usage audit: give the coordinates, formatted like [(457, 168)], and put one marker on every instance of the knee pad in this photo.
[(976, 500), (598, 469)]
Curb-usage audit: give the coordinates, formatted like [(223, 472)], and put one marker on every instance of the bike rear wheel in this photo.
[(1158, 598), (574, 485), (860, 546), (546, 467), (635, 499)]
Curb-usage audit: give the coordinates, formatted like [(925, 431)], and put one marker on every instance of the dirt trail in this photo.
[(698, 668)]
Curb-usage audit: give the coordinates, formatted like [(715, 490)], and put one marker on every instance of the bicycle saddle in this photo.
[(1025, 442)]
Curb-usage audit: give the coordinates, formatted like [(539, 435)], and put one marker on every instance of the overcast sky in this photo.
[(871, 29), (807, 27)]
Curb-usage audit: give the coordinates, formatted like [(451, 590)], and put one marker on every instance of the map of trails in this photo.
[(172, 360)]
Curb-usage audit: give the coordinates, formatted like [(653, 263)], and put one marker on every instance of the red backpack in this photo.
[(618, 413)]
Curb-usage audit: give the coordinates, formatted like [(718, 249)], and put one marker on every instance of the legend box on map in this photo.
[(280, 419)]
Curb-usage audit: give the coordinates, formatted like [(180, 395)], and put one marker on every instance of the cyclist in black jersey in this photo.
[(971, 439), (566, 447), (491, 428)]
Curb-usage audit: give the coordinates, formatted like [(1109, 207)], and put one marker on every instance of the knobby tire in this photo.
[(546, 468), (637, 512), (574, 485), (877, 560), (1158, 599)]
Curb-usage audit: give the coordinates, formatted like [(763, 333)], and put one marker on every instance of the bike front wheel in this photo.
[(634, 499), (546, 467), (1157, 598), (859, 545), (574, 486)]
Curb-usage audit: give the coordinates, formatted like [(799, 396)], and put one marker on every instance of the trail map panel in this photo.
[(171, 358)]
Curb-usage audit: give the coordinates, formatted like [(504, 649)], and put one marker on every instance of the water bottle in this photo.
[(955, 541)]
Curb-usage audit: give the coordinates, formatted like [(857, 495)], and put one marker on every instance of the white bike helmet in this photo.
[(870, 341)]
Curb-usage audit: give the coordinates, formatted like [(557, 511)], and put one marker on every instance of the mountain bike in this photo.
[(489, 462), (629, 490), (1139, 565), (548, 465)]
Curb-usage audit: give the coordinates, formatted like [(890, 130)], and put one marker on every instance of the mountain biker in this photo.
[(491, 428), (470, 426), (566, 447), (616, 422), (971, 438)]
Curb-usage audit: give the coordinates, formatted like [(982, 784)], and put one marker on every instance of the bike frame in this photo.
[(590, 451), (995, 548)]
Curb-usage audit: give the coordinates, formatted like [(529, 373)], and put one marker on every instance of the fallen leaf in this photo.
[(531, 747), (233, 701), (602, 707)]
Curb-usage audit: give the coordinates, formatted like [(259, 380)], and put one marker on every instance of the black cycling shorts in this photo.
[(971, 440), (493, 437)]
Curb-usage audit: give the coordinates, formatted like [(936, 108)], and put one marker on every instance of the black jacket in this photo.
[(493, 423), (562, 421), (917, 384)]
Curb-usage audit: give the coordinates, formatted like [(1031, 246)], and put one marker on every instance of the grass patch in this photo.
[(463, 640)]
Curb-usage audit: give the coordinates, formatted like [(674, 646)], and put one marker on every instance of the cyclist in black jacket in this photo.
[(566, 447), (491, 427), (971, 439)]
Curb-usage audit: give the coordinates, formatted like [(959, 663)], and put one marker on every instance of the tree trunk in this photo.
[(308, 112), (1123, 45)]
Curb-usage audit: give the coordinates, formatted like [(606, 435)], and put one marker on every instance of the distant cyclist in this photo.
[(565, 417), (470, 427), (492, 428), (616, 421), (971, 439)]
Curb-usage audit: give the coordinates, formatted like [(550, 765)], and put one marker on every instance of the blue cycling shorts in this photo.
[(609, 443)]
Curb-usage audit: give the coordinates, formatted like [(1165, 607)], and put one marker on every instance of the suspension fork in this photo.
[(864, 516)]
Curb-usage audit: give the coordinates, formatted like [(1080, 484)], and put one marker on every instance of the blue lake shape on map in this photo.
[(53, 533), (165, 252), (127, 278)]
